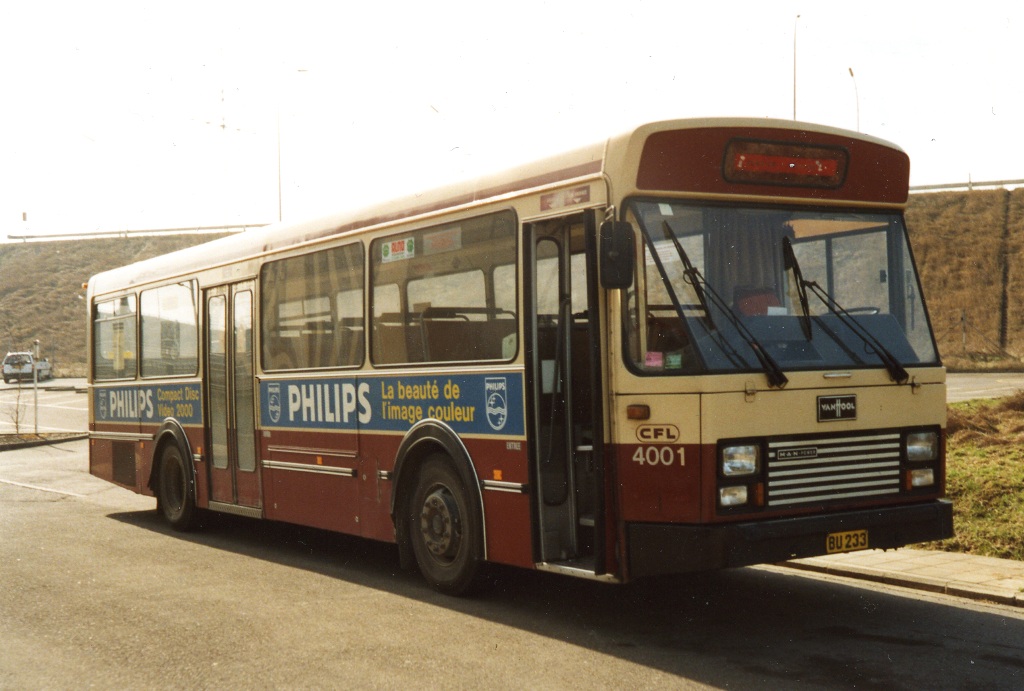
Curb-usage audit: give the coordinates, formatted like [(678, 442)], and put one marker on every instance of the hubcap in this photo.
[(440, 524)]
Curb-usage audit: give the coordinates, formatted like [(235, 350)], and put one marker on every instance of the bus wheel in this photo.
[(444, 528), (176, 491)]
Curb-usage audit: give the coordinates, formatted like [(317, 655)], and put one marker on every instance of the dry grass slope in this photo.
[(968, 247)]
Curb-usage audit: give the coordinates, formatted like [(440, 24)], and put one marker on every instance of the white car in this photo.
[(18, 366)]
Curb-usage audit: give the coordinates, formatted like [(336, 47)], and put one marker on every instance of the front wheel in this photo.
[(176, 491), (444, 528)]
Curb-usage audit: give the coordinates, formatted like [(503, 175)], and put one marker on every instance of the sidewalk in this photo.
[(962, 575)]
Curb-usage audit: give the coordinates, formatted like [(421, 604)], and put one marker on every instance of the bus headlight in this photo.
[(732, 496), (740, 460), (922, 446), (922, 477)]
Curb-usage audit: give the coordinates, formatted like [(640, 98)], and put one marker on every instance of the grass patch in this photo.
[(985, 478)]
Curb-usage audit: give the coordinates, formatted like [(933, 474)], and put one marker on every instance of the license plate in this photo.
[(849, 541)]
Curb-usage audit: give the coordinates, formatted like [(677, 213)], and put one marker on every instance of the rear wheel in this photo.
[(176, 491), (444, 528)]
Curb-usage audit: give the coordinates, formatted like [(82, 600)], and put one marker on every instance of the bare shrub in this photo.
[(995, 423), (1014, 403)]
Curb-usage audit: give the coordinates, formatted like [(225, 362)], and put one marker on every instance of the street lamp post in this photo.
[(280, 205), (794, 65), (280, 213), (856, 96)]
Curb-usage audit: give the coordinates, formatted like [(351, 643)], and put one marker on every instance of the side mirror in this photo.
[(617, 254)]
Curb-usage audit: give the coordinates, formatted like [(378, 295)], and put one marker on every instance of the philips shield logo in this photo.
[(832, 408), (496, 395), (274, 402)]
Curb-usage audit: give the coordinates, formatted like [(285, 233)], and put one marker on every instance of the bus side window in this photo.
[(438, 295), (312, 307), (388, 327), (349, 332), (170, 332)]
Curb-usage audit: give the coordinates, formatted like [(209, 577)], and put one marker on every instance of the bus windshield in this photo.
[(741, 289)]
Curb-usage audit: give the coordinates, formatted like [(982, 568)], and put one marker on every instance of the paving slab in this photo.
[(964, 575)]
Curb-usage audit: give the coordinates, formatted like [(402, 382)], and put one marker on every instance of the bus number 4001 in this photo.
[(659, 455)]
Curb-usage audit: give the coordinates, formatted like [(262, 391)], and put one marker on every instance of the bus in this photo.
[(698, 344)]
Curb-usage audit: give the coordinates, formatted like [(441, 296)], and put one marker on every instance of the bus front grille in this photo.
[(826, 469)]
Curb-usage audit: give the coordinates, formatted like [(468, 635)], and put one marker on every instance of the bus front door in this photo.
[(231, 436), (563, 395)]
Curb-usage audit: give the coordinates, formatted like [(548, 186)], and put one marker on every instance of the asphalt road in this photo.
[(96, 591), (964, 387)]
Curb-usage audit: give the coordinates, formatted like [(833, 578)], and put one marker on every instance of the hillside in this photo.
[(41, 293), (968, 246)]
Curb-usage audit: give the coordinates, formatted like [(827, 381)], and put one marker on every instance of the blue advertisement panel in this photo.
[(149, 404), (468, 403)]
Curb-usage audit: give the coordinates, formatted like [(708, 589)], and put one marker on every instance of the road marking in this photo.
[(41, 489)]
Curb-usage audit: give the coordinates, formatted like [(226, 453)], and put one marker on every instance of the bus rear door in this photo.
[(231, 437)]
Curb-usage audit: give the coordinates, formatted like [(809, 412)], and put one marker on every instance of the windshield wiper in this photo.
[(690, 273), (896, 371), (776, 377), (790, 263)]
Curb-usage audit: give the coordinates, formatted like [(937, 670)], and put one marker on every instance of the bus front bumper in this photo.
[(656, 548)]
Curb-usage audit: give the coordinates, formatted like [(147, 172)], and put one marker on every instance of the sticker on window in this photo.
[(442, 241), (398, 250)]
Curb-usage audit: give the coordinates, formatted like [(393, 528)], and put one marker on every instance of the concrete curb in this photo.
[(11, 446)]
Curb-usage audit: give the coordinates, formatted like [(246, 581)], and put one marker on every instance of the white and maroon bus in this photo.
[(699, 344)]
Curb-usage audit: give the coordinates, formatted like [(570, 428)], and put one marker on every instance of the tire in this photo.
[(445, 528), (176, 490)]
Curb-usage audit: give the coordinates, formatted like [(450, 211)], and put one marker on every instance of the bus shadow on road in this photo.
[(342, 556), (738, 626)]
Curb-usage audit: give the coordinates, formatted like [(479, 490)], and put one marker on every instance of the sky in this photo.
[(146, 115)]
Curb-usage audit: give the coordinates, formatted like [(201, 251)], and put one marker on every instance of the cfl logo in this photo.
[(657, 434)]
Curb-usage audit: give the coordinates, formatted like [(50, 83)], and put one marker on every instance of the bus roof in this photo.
[(591, 161)]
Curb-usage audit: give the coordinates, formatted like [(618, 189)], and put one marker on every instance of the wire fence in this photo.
[(969, 342)]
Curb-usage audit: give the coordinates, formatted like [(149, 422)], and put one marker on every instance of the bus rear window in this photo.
[(114, 347)]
